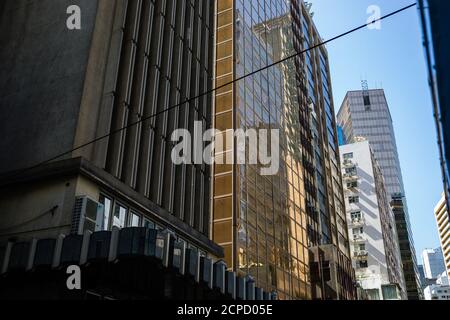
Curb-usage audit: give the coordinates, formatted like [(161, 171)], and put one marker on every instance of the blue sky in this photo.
[(391, 58)]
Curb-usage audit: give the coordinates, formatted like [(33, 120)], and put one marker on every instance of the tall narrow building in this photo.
[(366, 114), (287, 230), (373, 234), (433, 263), (61, 88)]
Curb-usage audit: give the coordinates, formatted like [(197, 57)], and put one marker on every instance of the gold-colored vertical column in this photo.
[(223, 193)]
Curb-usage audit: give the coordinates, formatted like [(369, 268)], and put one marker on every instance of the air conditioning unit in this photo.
[(348, 162), (88, 215), (357, 237)]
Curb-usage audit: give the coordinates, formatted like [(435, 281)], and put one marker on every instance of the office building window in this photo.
[(390, 293), (353, 199), (120, 216), (107, 203), (135, 220), (149, 224), (358, 231), (352, 185), (374, 294), (356, 215), (123, 216)]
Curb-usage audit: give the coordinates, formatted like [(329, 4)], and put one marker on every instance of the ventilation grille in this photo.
[(77, 215)]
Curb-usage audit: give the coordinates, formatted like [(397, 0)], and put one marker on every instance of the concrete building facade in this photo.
[(365, 114), (434, 292), (373, 234)]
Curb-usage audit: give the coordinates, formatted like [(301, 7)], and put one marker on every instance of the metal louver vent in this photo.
[(77, 215)]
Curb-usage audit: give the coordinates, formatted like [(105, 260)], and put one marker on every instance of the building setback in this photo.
[(436, 286), (439, 290), (365, 114), (288, 231), (373, 234)]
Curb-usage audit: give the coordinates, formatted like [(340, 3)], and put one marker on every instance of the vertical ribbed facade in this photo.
[(115, 92), (165, 57)]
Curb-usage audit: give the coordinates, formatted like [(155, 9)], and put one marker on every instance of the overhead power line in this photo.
[(189, 100)]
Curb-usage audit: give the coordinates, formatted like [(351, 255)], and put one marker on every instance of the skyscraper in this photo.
[(366, 114), (286, 229), (443, 223), (422, 276), (373, 234), (433, 263)]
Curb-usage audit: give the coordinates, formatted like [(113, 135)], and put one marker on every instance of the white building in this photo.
[(433, 263), (365, 113), (372, 229), (440, 290)]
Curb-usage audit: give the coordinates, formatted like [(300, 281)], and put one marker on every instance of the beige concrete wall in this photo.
[(26, 211), (86, 187)]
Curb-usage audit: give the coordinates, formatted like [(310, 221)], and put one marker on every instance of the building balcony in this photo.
[(356, 223), (360, 255), (351, 193), (350, 177), (348, 164)]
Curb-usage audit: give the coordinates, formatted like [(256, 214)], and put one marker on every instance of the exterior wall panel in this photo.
[(163, 62)]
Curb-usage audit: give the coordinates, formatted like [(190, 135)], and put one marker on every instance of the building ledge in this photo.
[(80, 166)]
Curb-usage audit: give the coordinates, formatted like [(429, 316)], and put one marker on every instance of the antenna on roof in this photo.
[(365, 85), (366, 94), (308, 6)]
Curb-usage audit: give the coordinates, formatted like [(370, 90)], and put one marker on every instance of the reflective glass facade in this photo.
[(268, 224), (437, 48)]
